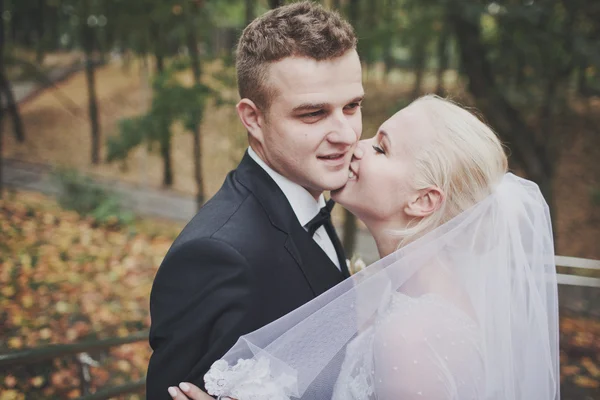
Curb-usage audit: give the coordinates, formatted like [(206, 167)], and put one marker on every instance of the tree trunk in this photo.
[(350, 228), (505, 119), (388, 61), (275, 3), (418, 56), (40, 45), (54, 28), (197, 71), (90, 74), (11, 106), (1, 106), (159, 62), (250, 4), (519, 72), (1, 146), (442, 56), (546, 116), (165, 143), (353, 10), (581, 81), (388, 20), (165, 153), (155, 34), (353, 7), (5, 90)]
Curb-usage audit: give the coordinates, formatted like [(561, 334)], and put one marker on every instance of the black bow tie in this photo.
[(323, 217)]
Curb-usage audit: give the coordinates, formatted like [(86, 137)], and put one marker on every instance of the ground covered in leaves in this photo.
[(66, 279), (580, 357)]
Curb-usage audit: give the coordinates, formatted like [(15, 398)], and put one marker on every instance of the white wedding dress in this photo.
[(419, 348), (468, 311)]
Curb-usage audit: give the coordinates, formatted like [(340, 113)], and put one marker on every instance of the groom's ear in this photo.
[(425, 202), (252, 118)]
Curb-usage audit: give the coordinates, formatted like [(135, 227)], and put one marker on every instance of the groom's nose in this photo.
[(342, 131)]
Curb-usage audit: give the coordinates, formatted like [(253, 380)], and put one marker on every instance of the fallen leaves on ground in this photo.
[(65, 280), (580, 352)]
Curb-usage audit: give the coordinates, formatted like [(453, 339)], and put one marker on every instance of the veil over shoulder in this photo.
[(468, 311)]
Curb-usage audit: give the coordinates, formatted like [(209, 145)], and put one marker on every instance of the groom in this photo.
[(263, 245)]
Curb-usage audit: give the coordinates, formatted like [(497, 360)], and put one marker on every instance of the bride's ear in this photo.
[(425, 202), (252, 118)]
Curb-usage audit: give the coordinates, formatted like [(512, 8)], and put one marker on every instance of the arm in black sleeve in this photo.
[(202, 301)]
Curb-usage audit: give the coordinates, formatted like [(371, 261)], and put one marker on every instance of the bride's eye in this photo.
[(378, 149)]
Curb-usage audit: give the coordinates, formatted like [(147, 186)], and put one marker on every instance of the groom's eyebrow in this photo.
[(309, 106), (316, 106)]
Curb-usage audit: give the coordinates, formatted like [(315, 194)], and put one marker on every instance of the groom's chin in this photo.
[(334, 183)]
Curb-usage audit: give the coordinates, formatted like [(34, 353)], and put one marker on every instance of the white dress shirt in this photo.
[(304, 205)]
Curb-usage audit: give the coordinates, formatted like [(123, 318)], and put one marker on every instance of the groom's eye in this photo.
[(352, 106), (313, 114)]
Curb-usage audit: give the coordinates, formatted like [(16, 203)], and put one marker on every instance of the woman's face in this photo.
[(379, 188)]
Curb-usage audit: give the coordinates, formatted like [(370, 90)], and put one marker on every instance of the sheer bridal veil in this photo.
[(485, 280)]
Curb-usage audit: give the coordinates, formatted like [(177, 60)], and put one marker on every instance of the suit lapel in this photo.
[(320, 273), (315, 263), (339, 250)]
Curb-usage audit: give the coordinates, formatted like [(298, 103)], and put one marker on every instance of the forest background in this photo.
[(117, 121)]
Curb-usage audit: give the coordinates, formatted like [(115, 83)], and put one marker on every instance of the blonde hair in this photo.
[(466, 160)]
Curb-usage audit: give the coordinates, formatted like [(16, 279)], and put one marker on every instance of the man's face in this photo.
[(314, 121)]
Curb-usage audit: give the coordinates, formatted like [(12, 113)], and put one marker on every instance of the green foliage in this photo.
[(81, 194), (402, 102), (132, 129), (171, 102)]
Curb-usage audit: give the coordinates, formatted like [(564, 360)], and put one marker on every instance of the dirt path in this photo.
[(27, 90)]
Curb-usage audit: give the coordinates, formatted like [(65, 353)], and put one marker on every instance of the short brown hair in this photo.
[(303, 29)]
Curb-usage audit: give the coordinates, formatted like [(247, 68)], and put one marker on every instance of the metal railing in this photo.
[(579, 263), (80, 350)]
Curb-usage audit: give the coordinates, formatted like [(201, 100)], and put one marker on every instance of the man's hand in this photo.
[(188, 391)]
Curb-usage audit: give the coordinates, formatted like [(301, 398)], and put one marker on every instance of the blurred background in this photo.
[(117, 122)]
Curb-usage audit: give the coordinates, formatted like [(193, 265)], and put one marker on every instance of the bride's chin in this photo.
[(341, 194)]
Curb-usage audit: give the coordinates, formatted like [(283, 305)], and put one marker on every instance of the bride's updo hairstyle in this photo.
[(465, 160)]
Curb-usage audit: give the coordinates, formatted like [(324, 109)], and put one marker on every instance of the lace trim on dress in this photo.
[(248, 380)]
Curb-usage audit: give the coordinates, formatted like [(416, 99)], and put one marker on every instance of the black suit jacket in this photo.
[(242, 262)]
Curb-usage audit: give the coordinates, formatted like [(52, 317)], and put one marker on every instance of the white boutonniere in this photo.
[(355, 264)]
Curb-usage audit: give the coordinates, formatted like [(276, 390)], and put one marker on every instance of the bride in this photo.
[(462, 303)]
